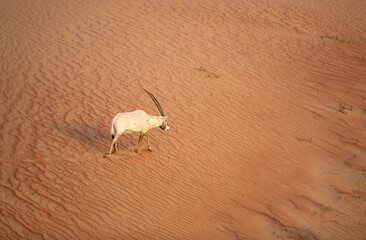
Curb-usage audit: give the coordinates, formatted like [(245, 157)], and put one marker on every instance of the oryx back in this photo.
[(129, 122)]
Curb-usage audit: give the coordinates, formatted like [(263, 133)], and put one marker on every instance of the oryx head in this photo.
[(164, 123)]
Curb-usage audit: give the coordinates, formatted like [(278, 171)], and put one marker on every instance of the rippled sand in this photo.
[(266, 104)]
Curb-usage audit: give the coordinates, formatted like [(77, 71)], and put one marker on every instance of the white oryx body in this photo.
[(136, 122), (133, 122)]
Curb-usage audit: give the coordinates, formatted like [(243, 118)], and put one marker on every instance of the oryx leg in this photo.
[(114, 144), (140, 142), (148, 144), (116, 148)]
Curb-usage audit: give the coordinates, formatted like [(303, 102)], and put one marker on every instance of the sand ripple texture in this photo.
[(266, 102)]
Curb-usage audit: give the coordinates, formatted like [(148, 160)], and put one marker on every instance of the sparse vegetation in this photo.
[(336, 38), (344, 107), (349, 90), (210, 74), (295, 234), (308, 140), (202, 68)]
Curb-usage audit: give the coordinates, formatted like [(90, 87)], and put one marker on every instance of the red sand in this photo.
[(269, 142)]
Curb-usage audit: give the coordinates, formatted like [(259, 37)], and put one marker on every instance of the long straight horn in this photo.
[(156, 102)]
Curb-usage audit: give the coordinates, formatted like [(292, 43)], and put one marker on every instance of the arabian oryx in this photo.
[(136, 122)]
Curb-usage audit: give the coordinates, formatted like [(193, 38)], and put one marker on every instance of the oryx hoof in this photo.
[(149, 148)]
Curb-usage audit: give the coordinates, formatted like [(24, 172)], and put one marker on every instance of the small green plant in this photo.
[(336, 38), (344, 107), (202, 68), (210, 74), (308, 140), (349, 89)]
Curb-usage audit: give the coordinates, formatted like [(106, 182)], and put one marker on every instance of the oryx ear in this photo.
[(164, 118)]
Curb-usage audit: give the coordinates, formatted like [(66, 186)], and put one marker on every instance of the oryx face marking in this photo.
[(164, 126)]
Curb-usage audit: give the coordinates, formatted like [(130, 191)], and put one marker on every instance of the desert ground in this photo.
[(266, 101)]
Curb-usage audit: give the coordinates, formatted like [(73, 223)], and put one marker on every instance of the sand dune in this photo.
[(266, 104)]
